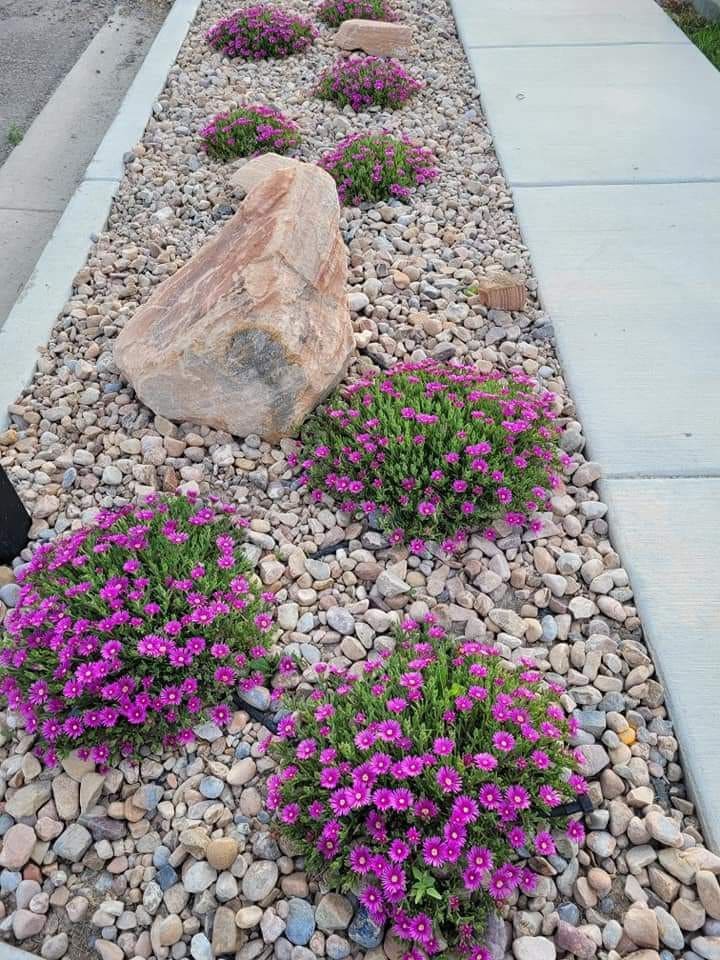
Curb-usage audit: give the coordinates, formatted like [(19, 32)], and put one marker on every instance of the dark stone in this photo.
[(103, 828), (14, 521), (364, 931), (166, 877)]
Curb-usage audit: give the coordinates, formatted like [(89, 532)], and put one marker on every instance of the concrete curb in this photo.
[(30, 322), (12, 953)]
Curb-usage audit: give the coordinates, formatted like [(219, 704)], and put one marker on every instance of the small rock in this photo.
[(200, 948), (17, 845), (225, 933), (222, 853), (26, 801), (260, 879), (170, 930), (26, 924), (568, 937), (55, 947), (300, 923), (341, 620), (533, 948), (641, 926), (242, 772), (73, 843), (364, 931), (199, 877), (333, 912), (248, 917), (709, 892)]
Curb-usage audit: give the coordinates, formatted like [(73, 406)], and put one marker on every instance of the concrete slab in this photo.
[(629, 277), (30, 322), (24, 232), (603, 114), (507, 23), (129, 124), (664, 530), (43, 171), (40, 40)]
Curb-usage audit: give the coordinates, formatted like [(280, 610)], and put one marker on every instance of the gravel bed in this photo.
[(178, 857)]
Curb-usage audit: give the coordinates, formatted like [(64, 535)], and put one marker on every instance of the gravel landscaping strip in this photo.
[(178, 857)]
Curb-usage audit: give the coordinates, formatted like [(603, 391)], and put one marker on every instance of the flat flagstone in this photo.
[(500, 23), (663, 529), (601, 114), (629, 277)]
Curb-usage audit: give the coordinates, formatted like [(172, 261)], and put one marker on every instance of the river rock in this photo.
[(259, 880), (17, 845), (334, 912), (254, 330), (300, 922)]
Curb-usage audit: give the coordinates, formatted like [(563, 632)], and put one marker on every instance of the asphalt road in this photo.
[(40, 40)]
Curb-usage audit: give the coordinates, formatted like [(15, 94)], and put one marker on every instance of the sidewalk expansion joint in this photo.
[(597, 43), (660, 476), (641, 182), (33, 209)]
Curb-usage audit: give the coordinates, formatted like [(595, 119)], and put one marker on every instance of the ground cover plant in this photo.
[(261, 31), (435, 449), (247, 131), (335, 12), (422, 784), (370, 167), (364, 82), (704, 33), (127, 633)]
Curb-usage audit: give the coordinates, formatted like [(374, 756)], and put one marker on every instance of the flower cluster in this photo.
[(259, 32), (248, 131), (367, 81), (435, 449), (378, 166), (335, 12), (128, 632), (422, 784)]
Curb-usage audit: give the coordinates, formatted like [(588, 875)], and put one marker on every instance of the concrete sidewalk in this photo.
[(606, 123)]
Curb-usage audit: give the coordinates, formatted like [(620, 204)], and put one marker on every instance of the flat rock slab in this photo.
[(603, 114), (667, 536), (503, 23), (375, 37), (629, 277)]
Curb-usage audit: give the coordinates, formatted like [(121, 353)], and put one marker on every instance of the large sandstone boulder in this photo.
[(254, 330)]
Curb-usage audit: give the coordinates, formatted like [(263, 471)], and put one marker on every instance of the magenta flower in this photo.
[(433, 851), (544, 844), (449, 780), (576, 831), (503, 741)]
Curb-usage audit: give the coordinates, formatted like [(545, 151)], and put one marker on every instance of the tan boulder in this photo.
[(254, 330), (253, 172), (375, 37)]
